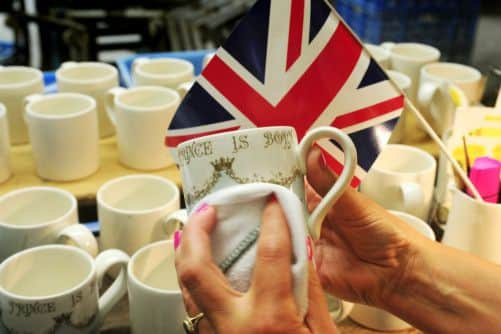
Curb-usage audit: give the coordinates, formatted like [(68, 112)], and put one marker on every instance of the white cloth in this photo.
[(239, 212)]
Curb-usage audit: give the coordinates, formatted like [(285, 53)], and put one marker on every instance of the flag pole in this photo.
[(420, 117), (444, 149)]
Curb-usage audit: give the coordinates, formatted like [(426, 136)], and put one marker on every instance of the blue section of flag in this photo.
[(367, 145), (319, 14), (373, 75), (252, 31), (199, 108)]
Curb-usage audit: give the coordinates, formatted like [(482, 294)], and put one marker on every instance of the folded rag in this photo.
[(239, 211)]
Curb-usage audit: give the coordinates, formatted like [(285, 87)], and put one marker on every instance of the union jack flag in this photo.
[(295, 63)]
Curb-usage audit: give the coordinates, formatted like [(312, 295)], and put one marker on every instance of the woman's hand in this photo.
[(364, 253), (268, 306)]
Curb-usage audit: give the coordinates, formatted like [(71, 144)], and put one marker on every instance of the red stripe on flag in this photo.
[(337, 167), (306, 100), (295, 32), (365, 114), (173, 141)]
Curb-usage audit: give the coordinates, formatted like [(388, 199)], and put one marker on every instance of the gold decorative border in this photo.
[(225, 166)]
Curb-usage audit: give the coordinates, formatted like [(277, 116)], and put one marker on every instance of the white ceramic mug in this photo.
[(167, 72), (141, 116), (380, 54), (408, 58), (132, 211), (64, 134), (93, 79), (402, 178), (466, 78), (379, 319), (37, 216), (155, 299), (474, 227), (403, 81), (17, 82), (4, 145), (267, 154), (55, 289)]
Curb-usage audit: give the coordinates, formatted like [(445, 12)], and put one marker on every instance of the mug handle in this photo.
[(104, 262), (174, 221), (412, 196), (350, 163), (109, 103), (79, 236)]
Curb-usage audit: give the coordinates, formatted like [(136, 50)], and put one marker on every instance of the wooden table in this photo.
[(85, 190), (117, 322)]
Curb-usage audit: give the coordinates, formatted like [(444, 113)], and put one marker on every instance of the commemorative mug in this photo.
[(167, 72), (378, 319), (155, 299), (267, 154), (132, 211), (37, 216), (55, 289), (93, 79), (409, 58), (17, 82), (402, 178), (64, 135), (141, 116), (4, 146)]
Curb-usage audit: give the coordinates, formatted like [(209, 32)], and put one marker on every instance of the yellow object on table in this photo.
[(24, 173)]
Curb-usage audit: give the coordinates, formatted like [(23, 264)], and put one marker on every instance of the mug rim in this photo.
[(67, 194), (101, 202), (61, 77), (176, 99), (65, 248), (475, 73), (219, 135), (378, 48), (434, 52), (137, 281), (423, 153), (137, 68), (13, 86), (430, 233), (29, 106)]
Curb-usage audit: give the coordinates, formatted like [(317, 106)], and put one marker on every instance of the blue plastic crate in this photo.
[(125, 64), (6, 49)]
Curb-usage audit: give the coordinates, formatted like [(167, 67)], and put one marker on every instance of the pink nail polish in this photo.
[(272, 198), (202, 208), (177, 239), (309, 248)]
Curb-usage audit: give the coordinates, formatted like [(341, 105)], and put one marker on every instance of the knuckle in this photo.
[(271, 249), (189, 274)]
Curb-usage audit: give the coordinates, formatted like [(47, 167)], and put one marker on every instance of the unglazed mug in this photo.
[(155, 299), (93, 79), (473, 226), (4, 145), (64, 134), (402, 178), (37, 216), (132, 211), (167, 72), (409, 58), (141, 116), (267, 154), (55, 289), (17, 82), (379, 319)]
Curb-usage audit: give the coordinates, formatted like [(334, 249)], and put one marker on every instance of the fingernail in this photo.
[(272, 198), (177, 239), (202, 208), (309, 248)]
